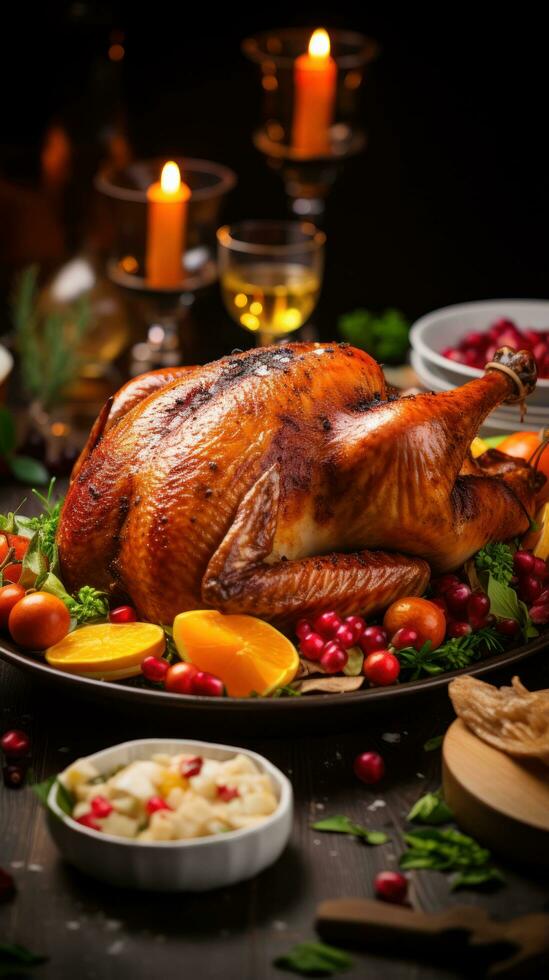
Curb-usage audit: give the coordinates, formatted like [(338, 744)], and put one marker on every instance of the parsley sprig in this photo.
[(496, 559)]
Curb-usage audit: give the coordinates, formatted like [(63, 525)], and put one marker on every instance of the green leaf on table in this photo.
[(8, 436), (314, 960), (28, 470), (433, 743), (505, 604), (430, 809), (341, 824), (15, 959), (478, 878), (355, 662)]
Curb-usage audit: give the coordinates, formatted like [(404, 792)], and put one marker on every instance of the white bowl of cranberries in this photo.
[(198, 863), (456, 342)]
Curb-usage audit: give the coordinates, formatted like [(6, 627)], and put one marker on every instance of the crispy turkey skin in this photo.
[(284, 480)]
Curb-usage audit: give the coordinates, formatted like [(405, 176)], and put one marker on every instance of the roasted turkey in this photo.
[(285, 480)]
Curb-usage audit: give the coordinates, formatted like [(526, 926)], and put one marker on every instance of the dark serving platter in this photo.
[(254, 716)]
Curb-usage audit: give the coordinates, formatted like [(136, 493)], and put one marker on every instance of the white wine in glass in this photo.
[(271, 274)]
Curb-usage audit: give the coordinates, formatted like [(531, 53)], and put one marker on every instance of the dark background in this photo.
[(449, 201)]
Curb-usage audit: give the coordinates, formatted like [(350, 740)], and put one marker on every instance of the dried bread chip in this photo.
[(512, 719), (329, 685)]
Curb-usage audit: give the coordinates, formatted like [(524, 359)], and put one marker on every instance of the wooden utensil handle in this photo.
[(364, 922)]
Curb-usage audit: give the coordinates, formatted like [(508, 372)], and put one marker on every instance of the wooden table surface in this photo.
[(90, 931)]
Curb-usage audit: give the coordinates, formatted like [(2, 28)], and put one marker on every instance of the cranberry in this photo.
[(303, 628), (369, 767), (123, 614), (156, 803), (207, 685), (507, 627), (14, 776), (327, 624), (530, 588), (373, 638), (312, 646), (15, 743), (357, 624), (391, 886), (381, 668), (227, 793), (457, 598), (478, 606), (345, 636), (540, 568), (523, 562), (539, 613), (7, 886), (405, 637), (441, 584), (334, 658), (191, 767), (455, 629), (155, 669), (101, 807), (88, 820)]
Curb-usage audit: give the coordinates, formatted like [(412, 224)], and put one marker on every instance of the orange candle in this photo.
[(315, 79), (166, 227)]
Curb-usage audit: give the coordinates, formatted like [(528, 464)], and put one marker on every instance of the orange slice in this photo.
[(249, 655), (107, 650)]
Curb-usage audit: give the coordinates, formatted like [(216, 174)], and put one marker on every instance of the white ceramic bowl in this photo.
[(188, 865), (6, 365), (445, 327)]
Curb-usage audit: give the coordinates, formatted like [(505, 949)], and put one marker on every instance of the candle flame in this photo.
[(170, 178), (319, 45)]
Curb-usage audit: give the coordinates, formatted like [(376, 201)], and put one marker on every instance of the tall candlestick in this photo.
[(315, 79), (166, 221)]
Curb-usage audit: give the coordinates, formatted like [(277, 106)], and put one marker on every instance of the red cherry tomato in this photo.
[(420, 615), (180, 677), (10, 595), (12, 573), (39, 620)]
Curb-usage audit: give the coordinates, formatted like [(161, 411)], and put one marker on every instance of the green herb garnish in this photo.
[(449, 850), (384, 336), (314, 960), (341, 824), (496, 559), (454, 654), (430, 809), (433, 743)]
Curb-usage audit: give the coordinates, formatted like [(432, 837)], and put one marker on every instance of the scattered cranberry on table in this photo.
[(14, 776), (123, 614), (179, 678), (303, 628), (457, 629), (391, 886), (507, 627), (155, 669), (345, 636), (381, 668), (15, 743), (357, 624), (369, 767)]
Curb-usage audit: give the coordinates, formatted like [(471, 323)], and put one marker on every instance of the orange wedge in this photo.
[(247, 654), (107, 650)]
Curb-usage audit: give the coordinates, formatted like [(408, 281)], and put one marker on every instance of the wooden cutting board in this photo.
[(498, 800)]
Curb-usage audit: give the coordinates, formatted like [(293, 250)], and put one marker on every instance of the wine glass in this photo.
[(270, 274)]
